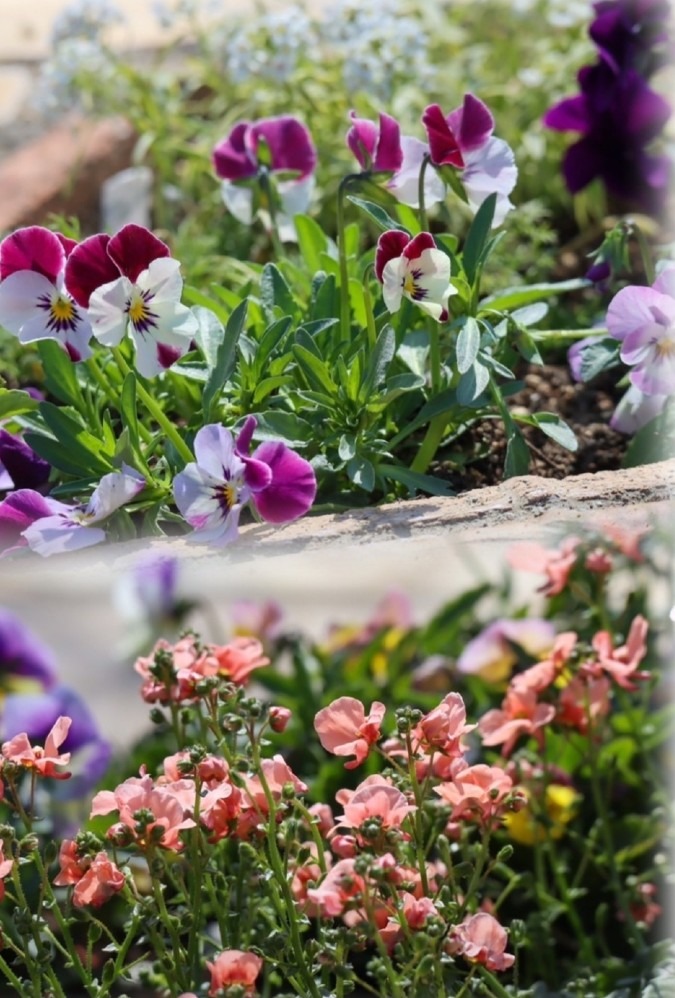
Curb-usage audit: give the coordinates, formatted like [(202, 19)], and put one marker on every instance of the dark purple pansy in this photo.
[(23, 654), (26, 468), (102, 259), (288, 143), (627, 31), (376, 147)]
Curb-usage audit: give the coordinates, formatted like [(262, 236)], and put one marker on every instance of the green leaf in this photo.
[(378, 362), (128, 409), (414, 351), (347, 447), (276, 425), (13, 402), (360, 471), (225, 359), (409, 219), (473, 383), (315, 370), (477, 237), (275, 292), (269, 385), (517, 455), (528, 315), (324, 297), (415, 481), (468, 344), (555, 428), (599, 356), (193, 296), (269, 341), (317, 326), (513, 297), (85, 450), (60, 374), (312, 241), (210, 334), (378, 214), (527, 348)]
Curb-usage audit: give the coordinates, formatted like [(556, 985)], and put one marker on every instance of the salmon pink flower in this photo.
[(211, 492), (520, 714), (5, 869), (376, 799), (556, 565), (481, 939), (414, 269), (279, 718), (582, 701), (232, 967), (479, 793), (129, 284), (444, 727), (279, 147), (378, 149), (344, 729), (34, 302), (42, 760), (621, 664), (643, 319), (96, 880), (341, 887), (463, 139), (168, 807), (237, 660)]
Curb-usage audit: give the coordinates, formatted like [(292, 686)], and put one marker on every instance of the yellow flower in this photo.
[(559, 808)]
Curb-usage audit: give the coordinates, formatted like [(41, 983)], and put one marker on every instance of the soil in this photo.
[(587, 408)]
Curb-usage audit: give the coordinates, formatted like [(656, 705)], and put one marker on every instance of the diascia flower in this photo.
[(34, 303), (279, 146), (415, 269), (232, 967), (643, 319), (211, 492), (130, 284), (463, 139)]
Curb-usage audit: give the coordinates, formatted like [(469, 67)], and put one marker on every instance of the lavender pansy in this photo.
[(71, 527), (130, 284), (23, 656), (405, 183), (212, 492), (18, 511), (636, 410), (280, 146), (415, 269), (25, 469), (34, 303), (491, 654), (643, 319)]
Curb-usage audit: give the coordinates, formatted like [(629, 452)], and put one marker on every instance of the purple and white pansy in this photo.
[(282, 147), (34, 303), (129, 283), (415, 269), (211, 492), (49, 526)]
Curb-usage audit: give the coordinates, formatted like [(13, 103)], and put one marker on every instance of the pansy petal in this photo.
[(665, 281), (362, 140), (416, 246), (635, 410), (215, 453), (443, 143), (245, 436), (472, 123), (491, 170), (27, 469), (392, 283), (113, 491), (33, 248), (134, 248), (238, 201), (163, 279), (569, 115), (231, 158), (295, 197), (107, 312), (404, 185), (289, 142), (631, 310), (293, 487), (23, 654), (160, 347), (88, 267), (197, 498), (56, 535), (389, 155), (390, 246), (19, 297)]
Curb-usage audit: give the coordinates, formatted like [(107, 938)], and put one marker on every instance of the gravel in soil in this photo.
[(587, 408)]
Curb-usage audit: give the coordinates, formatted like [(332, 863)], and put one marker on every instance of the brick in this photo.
[(62, 171)]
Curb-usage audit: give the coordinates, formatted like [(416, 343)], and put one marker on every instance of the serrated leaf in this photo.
[(377, 213), (468, 344)]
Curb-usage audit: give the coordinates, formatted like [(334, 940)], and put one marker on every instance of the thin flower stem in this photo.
[(345, 313), (370, 318), (477, 872), (265, 182), (645, 252), (560, 335), (392, 977), (585, 941), (418, 819), (497, 990), (422, 213), (430, 444), (155, 410), (179, 960), (11, 977), (435, 359), (467, 982)]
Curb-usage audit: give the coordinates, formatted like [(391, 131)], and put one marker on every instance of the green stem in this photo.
[(477, 872), (430, 444), (156, 411), (345, 314), (645, 253), (435, 359), (422, 213), (11, 977), (561, 335), (370, 318), (266, 187), (418, 819), (497, 990)]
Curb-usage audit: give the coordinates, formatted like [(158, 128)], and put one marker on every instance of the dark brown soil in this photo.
[(587, 408)]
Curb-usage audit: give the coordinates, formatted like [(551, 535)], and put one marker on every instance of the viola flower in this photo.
[(344, 729), (643, 319), (281, 147), (42, 760), (56, 527), (463, 139), (23, 468), (24, 658), (212, 492), (481, 939), (635, 410), (130, 284), (34, 303), (491, 654), (405, 183), (414, 269), (378, 149), (232, 967)]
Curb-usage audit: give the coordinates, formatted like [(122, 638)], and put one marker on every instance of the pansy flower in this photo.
[(34, 303), (20, 466), (49, 526), (415, 269), (280, 146), (643, 319), (463, 139), (376, 147), (129, 283), (211, 492)]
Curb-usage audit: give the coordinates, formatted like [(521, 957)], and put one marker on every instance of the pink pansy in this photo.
[(129, 284), (643, 319), (621, 664), (211, 492), (520, 714), (18, 511), (477, 793), (234, 967), (491, 654), (464, 140), (556, 564), (34, 303), (42, 760), (237, 660), (169, 811), (70, 528), (280, 146), (414, 269), (344, 728), (377, 148), (444, 727), (481, 939)]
